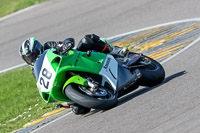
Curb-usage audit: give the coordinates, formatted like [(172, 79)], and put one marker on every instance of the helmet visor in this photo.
[(30, 59)]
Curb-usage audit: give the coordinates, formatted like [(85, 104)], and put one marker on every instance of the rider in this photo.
[(31, 48)]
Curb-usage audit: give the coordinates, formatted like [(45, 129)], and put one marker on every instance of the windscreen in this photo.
[(38, 65)]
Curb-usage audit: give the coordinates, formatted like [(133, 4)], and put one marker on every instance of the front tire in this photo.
[(72, 91), (152, 74)]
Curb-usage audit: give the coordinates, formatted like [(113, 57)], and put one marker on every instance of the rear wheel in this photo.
[(152, 74), (104, 98)]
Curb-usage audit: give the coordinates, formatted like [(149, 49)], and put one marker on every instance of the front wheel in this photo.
[(102, 102), (152, 74)]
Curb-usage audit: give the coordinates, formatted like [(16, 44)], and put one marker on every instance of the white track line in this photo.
[(151, 27), (51, 122), (18, 12), (12, 68), (11, 15)]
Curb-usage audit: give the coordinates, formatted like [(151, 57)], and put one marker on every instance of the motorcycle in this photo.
[(93, 79)]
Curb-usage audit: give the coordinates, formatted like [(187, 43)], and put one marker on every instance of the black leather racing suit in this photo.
[(93, 42), (88, 42)]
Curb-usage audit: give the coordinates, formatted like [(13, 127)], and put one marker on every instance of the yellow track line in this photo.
[(166, 52), (187, 41), (46, 117), (53, 112), (184, 31), (139, 36), (159, 59), (164, 49), (171, 36)]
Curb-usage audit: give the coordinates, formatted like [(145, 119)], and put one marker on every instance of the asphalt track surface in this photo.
[(173, 106)]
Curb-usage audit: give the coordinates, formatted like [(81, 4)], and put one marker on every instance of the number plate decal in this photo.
[(46, 76)]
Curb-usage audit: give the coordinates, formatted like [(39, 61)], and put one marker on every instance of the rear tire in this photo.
[(152, 74), (72, 91)]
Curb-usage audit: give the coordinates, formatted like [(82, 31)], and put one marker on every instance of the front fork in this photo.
[(89, 86)]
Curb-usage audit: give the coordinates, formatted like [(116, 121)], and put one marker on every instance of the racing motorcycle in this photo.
[(93, 79)]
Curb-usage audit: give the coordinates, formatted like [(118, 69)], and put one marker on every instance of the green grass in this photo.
[(10, 6), (20, 101)]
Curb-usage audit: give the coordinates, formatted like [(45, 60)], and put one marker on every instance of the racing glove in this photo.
[(60, 46), (63, 47)]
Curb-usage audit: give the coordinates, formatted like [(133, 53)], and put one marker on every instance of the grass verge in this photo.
[(10, 6), (20, 100)]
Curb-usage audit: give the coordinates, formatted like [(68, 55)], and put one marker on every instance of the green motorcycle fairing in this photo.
[(51, 71)]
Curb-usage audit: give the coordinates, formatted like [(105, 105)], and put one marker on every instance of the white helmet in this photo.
[(30, 50)]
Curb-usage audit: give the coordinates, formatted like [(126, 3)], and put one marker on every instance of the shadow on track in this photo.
[(146, 89), (139, 92)]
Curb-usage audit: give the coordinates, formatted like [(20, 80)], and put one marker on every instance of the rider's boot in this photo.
[(64, 105), (79, 110), (119, 51)]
